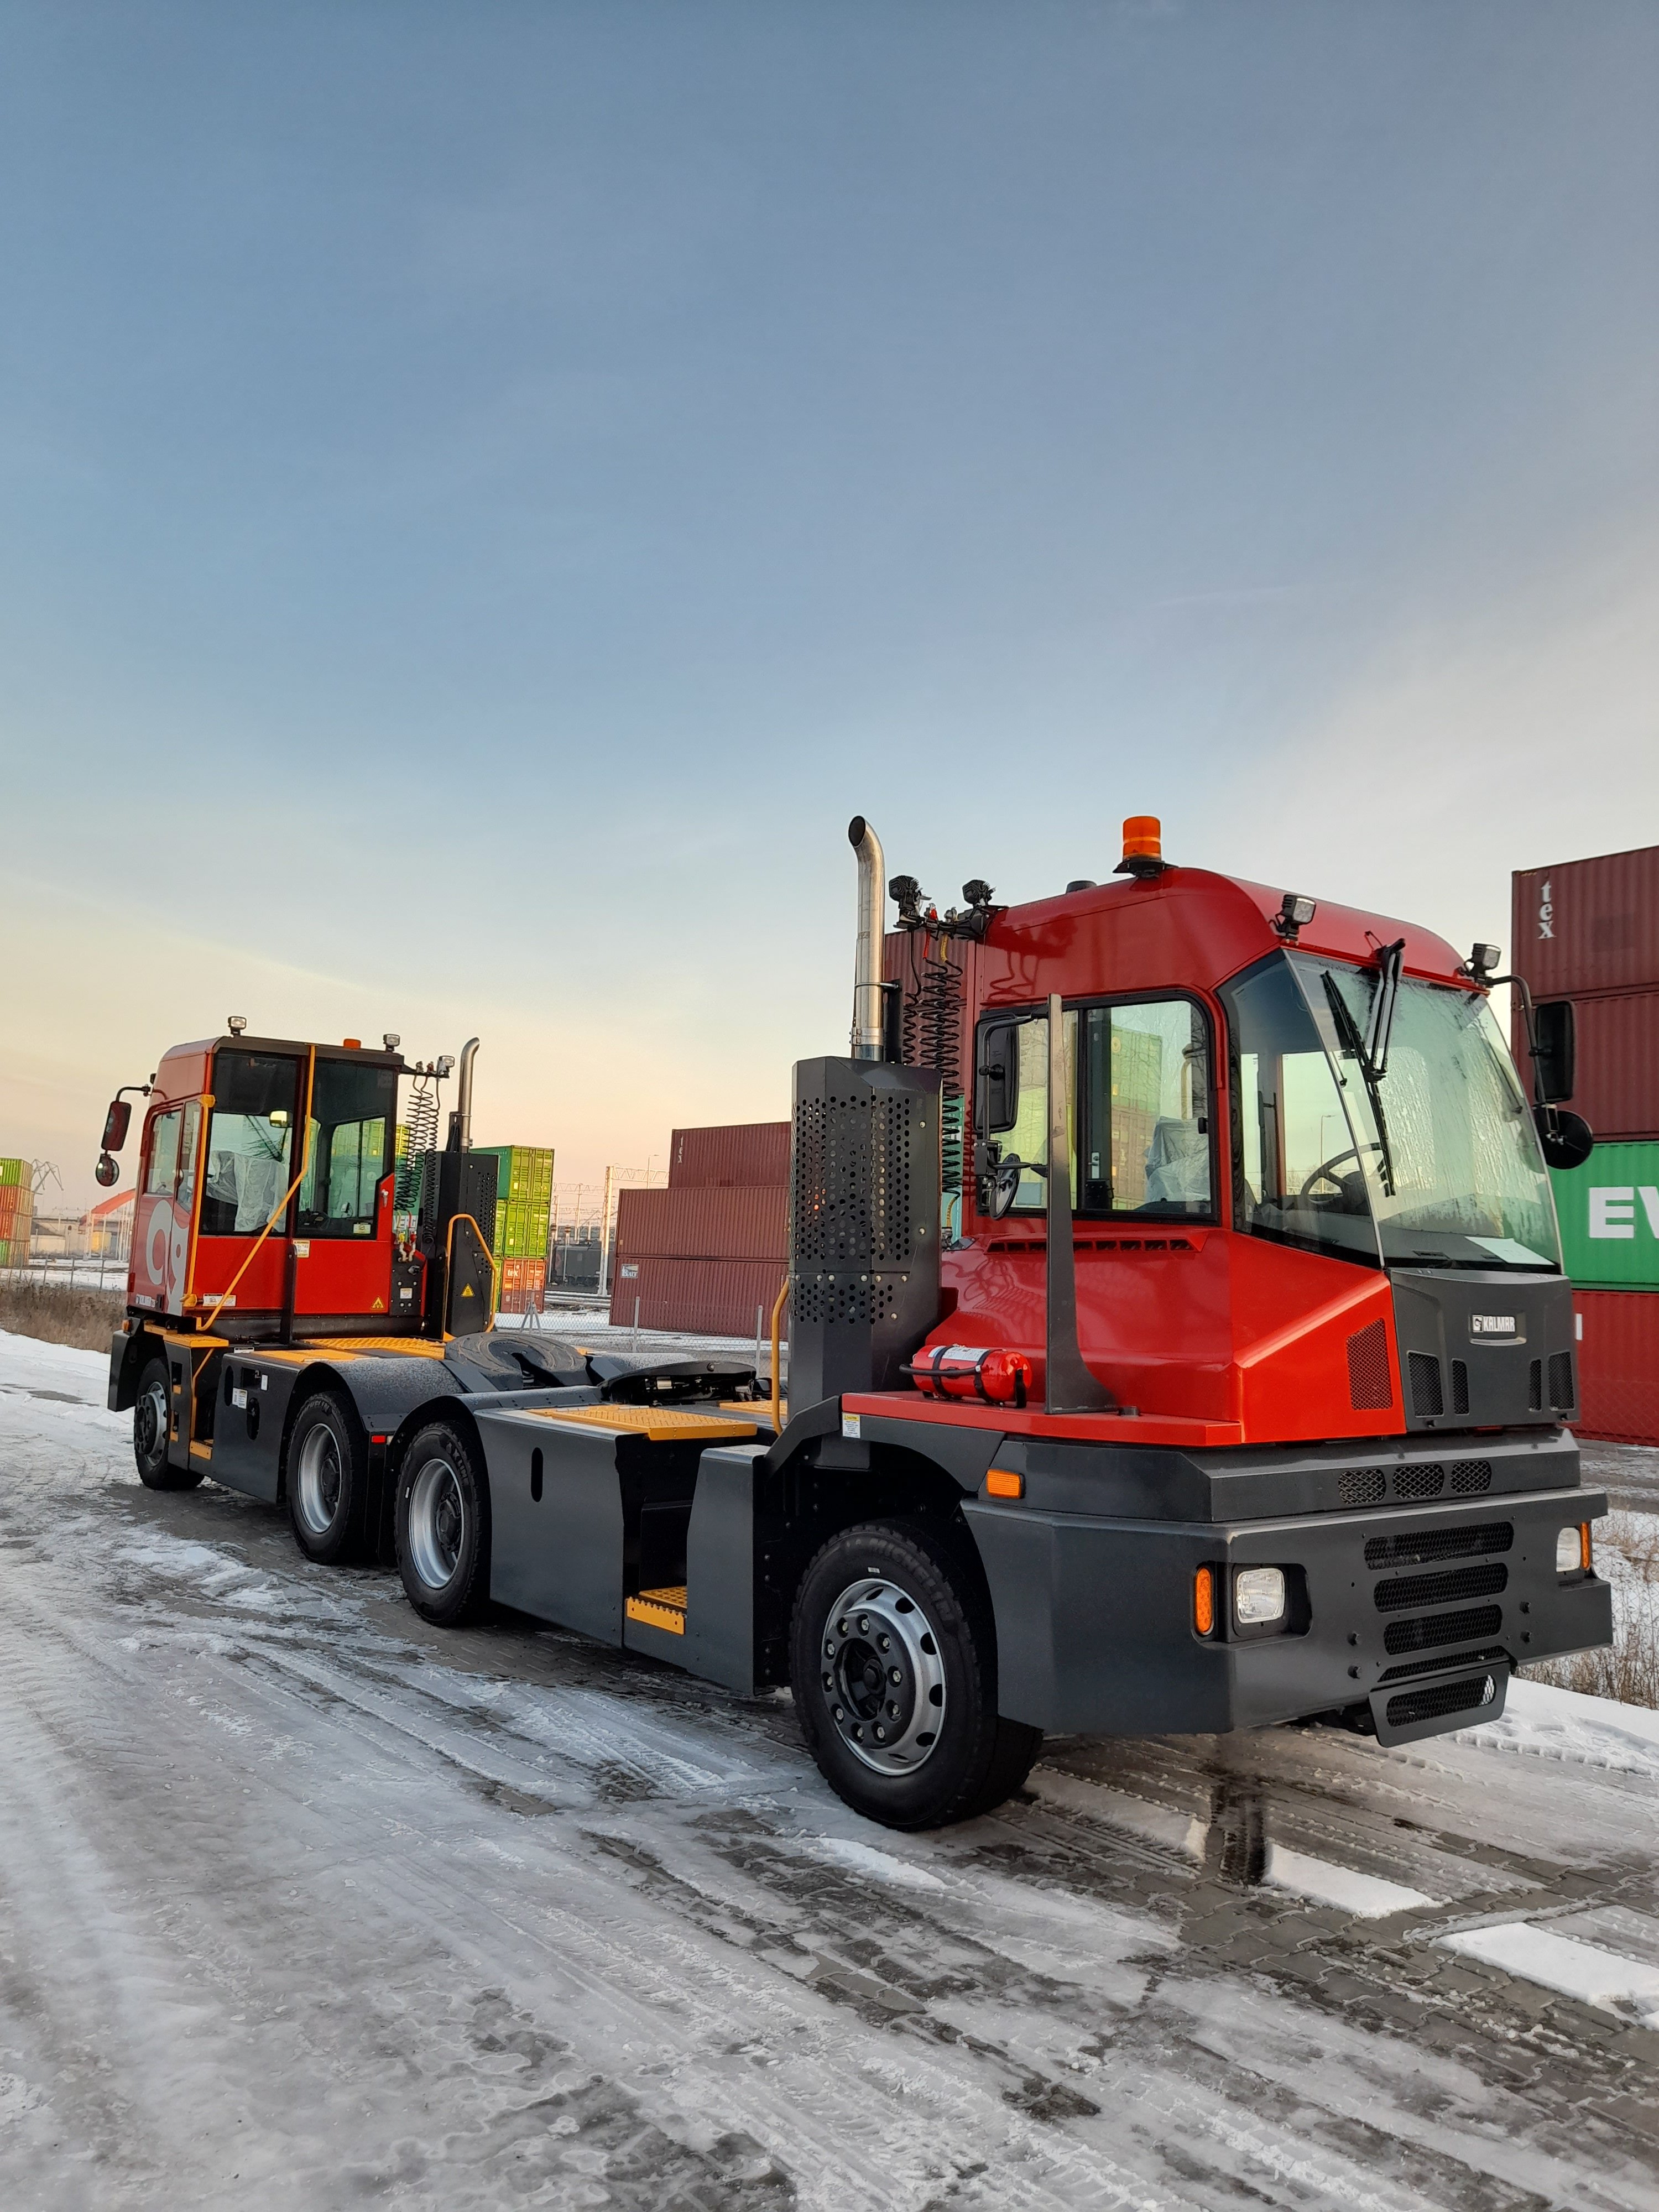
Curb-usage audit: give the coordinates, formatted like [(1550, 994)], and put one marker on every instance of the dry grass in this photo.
[(1627, 1553), (86, 1319)]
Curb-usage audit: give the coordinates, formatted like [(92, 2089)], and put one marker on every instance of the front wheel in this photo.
[(443, 1528), (151, 1418), (893, 1664)]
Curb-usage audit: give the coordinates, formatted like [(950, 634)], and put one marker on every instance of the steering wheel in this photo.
[(1002, 1184), (1323, 1172)]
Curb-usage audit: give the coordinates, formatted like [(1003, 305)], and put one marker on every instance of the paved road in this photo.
[(302, 1906)]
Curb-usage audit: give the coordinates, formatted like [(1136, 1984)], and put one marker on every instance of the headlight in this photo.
[(1259, 1594), (1572, 1550)]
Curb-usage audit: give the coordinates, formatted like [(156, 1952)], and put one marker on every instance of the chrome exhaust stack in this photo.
[(867, 993), (464, 1096)]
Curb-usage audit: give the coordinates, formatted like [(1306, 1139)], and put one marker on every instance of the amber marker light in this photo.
[(1003, 1482), (1584, 1546), (1204, 1600)]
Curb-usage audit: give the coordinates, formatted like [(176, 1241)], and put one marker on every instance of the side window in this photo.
[(161, 1171), (1013, 1095), (1146, 1089), (353, 1116), (250, 1140)]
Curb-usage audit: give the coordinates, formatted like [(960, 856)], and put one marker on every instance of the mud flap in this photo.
[(1434, 1705)]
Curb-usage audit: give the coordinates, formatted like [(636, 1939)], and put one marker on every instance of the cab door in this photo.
[(342, 1214), (248, 1176)]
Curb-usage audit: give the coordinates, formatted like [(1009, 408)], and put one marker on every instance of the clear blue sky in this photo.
[(486, 491)]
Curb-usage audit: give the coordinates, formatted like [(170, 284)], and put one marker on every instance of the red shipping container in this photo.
[(1587, 925), (1616, 1086), (1619, 1366), (522, 1283), (703, 1298), (16, 1206), (712, 1222), (740, 1153)]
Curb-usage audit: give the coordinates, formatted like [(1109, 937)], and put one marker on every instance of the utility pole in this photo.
[(606, 1232)]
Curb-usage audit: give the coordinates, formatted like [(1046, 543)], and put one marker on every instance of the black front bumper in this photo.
[(1391, 1609)]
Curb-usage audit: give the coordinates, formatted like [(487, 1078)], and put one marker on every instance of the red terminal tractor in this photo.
[(1178, 1343)]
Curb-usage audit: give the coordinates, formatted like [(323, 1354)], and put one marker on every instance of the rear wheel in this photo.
[(893, 1663), (327, 1481), (151, 1419), (443, 1528)]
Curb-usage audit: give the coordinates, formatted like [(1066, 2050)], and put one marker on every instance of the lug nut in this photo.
[(884, 1644), (839, 1712), (895, 1676), (880, 1733)]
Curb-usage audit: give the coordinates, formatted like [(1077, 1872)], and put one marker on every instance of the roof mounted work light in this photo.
[(1143, 847), (1295, 912), (236, 1024), (1485, 960)]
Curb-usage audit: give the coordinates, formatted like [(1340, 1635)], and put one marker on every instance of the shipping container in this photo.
[(522, 1283), (737, 1154), (14, 1251), (521, 1229), (524, 1173), (1587, 925), (705, 1297), (1609, 1216), (13, 1172), (713, 1222), (1619, 1366), (1616, 1086), (16, 1205)]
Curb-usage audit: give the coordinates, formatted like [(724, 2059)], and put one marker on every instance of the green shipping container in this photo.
[(14, 1171), (1609, 1210), (520, 1230), (523, 1173)]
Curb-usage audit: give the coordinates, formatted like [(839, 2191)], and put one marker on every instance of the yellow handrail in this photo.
[(449, 1259), (776, 1409), (218, 1298)]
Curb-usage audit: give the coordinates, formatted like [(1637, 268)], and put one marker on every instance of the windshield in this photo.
[(1432, 1161)]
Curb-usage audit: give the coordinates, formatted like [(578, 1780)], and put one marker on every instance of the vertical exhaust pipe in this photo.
[(463, 1122), (867, 994)]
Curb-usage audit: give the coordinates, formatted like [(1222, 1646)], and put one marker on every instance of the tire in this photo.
[(327, 1480), (151, 1419), (899, 1599), (443, 1528)]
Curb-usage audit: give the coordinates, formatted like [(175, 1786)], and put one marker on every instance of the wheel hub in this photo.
[(151, 1425), (882, 1676), (437, 1522), (319, 1481)]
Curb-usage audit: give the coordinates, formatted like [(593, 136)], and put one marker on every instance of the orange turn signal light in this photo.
[(1143, 838), (1585, 1547), (1204, 1600), (1003, 1482)]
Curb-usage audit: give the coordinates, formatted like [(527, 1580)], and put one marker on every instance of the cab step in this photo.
[(659, 1608)]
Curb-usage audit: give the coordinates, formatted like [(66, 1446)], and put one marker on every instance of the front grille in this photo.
[(1426, 1479), (1363, 1486), (1438, 1666), (1469, 1476), (1561, 1390), (1432, 1705), (1407, 1592), (1415, 1548), (1459, 1386), (1369, 1389), (1431, 1629), (1423, 1374)]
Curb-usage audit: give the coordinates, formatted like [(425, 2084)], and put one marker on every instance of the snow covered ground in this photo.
[(303, 1906)]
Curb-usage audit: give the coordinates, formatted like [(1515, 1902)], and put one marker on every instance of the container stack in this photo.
[(16, 1211), (711, 1251), (1589, 932), (524, 1208)]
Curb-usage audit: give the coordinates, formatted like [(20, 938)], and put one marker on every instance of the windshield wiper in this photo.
[(1380, 1028), (1354, 1045)]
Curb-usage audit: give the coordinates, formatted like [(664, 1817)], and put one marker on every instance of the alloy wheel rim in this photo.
[(152, 1427), (437, 1523), (320, 1481), (882, 1676)]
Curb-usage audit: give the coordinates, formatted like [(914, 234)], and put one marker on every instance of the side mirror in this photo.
[(106, 1172), (1567, 1139), (1553, 1052), (999, 1078), (115, 1126)]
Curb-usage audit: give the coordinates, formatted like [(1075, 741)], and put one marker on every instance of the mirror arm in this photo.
[(1518, 983)]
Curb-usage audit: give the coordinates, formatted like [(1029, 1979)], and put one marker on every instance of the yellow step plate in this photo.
[(659, 1608), (420, 1347), (659, 1425)]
